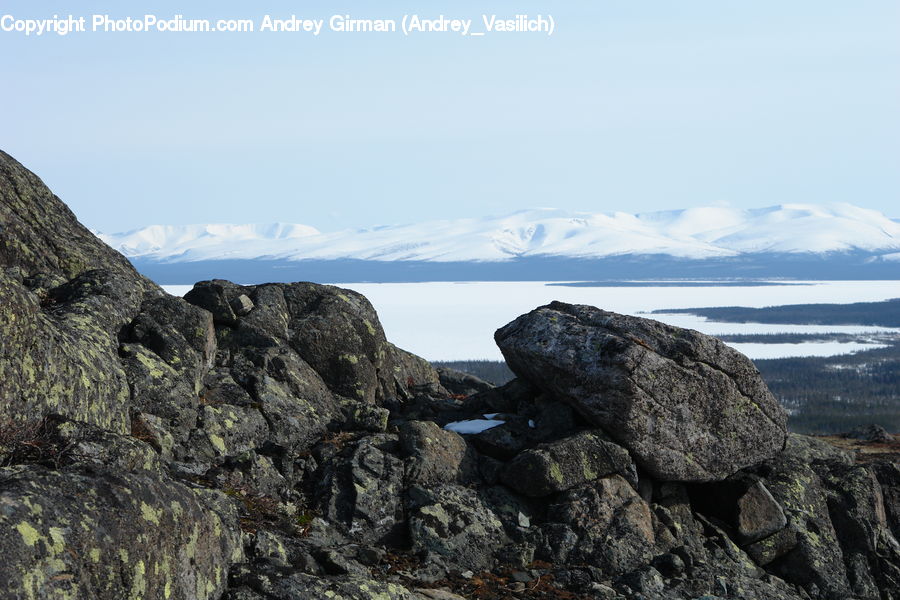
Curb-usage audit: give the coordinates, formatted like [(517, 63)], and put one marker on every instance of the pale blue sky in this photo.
[(632, 105)]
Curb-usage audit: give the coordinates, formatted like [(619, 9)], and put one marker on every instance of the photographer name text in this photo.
[(408, 25)]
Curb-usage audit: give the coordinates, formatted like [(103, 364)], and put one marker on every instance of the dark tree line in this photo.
[(885, 314)]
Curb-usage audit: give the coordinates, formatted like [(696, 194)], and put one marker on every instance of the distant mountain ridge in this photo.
[(692, 238)]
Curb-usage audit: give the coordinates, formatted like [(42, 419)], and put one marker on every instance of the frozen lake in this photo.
[(456, 321)]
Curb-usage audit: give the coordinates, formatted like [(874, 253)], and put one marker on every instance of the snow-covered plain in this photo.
[(456, 321)]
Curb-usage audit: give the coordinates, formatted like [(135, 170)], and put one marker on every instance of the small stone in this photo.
[(669, 565), (369, 556), (521, 576), (434, 454), (604, 592), (768, 549), (241, 305), (759, 515), (438, 594), (523, 520)]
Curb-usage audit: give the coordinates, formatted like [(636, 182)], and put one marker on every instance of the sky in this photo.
[(630, 105)]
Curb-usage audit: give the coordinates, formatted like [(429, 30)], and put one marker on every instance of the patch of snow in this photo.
[(472, 426)]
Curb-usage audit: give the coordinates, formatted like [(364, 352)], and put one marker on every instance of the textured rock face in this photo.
[(111, 525), (434, 455), (688, 407), (835, 512), (41, 235), (615, 528), (361, 489), (65, 297), (453, 523), (561, 465)]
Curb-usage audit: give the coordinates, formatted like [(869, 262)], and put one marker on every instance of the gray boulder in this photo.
[(561, 465), (434, 455), (460, 383), (616, 530), (453, 524), (360, 489), (688, 407)]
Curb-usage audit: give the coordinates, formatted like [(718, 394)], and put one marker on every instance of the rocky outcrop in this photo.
[(687, 406), (108, 523), (65, 297), (267, 442)]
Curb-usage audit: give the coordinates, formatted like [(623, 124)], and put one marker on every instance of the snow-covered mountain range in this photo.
[(704, 234)]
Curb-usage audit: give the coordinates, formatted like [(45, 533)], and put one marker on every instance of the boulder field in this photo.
[(267, 442)]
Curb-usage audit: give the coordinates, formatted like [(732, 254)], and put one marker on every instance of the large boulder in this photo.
[(66, 296), (688, 407)]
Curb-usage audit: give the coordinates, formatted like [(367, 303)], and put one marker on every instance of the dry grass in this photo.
[(32, 442)]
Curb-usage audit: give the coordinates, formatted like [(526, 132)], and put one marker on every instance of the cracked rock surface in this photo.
[(686, 405)]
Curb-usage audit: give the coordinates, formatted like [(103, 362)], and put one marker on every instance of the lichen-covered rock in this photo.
[(155, 388), (41, 235), (281, 448), (292, 398), (856, 508), (816, 559), (434, 454), (210, 296), (774, 546), (688, 407), (338, 333), (616, 529), (65, 297), (111, 534), (360, 489), (888, 475), (564, 464), (180, 334), (65, 360), (226, 430), (454, 525)]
